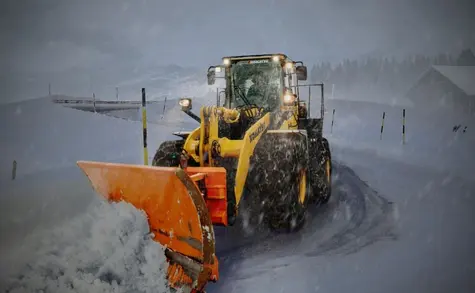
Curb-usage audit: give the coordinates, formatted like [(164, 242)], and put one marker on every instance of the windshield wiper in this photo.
[(241, 94)]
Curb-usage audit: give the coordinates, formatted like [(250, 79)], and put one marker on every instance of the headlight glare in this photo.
[(289, 98), (185, 103)]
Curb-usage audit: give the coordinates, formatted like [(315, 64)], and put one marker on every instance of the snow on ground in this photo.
[(430, 140), (57, 236), (105, 249), (41, 136)]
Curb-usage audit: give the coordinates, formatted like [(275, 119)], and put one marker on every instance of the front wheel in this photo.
[(168, 154), (277, 185)]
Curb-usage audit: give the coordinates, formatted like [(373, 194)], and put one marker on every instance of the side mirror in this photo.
[(301, 72), (211, 75)]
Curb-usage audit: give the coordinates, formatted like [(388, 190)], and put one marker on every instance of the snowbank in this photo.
[(105, 250)]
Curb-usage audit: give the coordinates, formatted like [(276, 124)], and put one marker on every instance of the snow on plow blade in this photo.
[(177, 214)]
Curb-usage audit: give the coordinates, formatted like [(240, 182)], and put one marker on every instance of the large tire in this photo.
[(168, 154), (321, 171), (277, 186), (327, 173)]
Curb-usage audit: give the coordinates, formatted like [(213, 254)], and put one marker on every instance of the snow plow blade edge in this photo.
[(177, 215)]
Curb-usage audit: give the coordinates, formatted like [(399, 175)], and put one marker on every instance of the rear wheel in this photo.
[(277, 186), (321, 171)]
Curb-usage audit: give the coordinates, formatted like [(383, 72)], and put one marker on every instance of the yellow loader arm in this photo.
[(225, 147)]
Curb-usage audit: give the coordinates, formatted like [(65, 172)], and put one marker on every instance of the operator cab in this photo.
[(266, 81)]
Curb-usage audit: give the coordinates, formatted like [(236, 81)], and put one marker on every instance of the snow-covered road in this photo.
[(391, 227)]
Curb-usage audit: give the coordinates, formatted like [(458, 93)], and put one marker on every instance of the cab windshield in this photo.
[(257, 82)]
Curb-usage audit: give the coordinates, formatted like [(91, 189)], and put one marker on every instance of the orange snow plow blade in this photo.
[(178, 214)]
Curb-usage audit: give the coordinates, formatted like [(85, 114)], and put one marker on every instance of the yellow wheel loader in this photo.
[(258, 147)]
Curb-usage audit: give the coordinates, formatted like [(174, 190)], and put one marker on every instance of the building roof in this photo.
[(462, 76)]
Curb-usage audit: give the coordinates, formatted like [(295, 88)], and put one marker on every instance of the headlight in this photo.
[(226, 61), (217, 69), (289, 98), (289, 65), (185, 104), (276, 58)]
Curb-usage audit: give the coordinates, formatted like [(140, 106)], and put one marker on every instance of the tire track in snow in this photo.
[(355, 217)]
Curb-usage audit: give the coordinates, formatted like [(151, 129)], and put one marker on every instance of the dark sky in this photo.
[(56, 35), (38, 34)]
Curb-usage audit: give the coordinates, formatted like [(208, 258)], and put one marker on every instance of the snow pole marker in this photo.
[(144, 128), (164, 107), (403, 126), (14, 169), (333, 118), (94, 101), (382, 126)]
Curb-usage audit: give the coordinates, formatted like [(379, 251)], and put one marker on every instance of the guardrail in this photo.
[(93, 105), (100, 102)]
